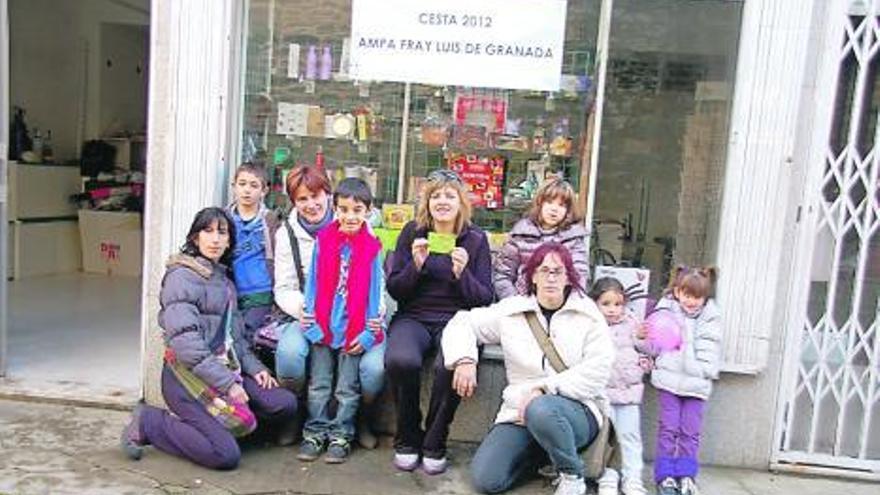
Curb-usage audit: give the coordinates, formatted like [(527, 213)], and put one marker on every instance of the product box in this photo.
[(395, 216), (636, 283), (483, 176), (43, 248), (112, 242)]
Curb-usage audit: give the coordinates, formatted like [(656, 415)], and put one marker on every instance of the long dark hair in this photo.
[(607, 284), (204, 218), (535, 260)]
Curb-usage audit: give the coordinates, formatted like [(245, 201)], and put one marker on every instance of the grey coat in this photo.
[(690, 370), (524, 239), (194, 297)]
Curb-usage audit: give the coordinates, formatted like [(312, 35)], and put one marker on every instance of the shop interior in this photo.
[(660, 170), (78, 100)]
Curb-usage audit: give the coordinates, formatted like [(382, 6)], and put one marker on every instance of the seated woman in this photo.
[(309, 192), (544, 413), (206, 355), (429, 289), (551, 218)]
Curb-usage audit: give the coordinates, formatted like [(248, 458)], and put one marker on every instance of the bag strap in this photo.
[(297, 259), (545, 343)]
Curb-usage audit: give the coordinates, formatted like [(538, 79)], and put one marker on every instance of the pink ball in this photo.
[(664, 330)]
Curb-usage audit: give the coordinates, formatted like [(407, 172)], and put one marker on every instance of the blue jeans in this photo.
[(293, 351), (556, 428), (323, 363)]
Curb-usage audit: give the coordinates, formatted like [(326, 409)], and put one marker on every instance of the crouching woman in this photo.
[(211, 381), (553, 406)]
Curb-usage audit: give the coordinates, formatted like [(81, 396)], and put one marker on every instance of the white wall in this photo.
[(55, 63)]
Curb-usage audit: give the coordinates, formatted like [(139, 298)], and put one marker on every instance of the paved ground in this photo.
[(58, 449)]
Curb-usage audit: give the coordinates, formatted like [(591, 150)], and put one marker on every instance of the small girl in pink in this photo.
[(625, 387)]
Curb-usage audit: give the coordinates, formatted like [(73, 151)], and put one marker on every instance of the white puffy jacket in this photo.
[(577, 330), (689, 371)]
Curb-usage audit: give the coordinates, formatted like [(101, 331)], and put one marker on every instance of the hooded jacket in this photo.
[(626, 385), (689, 371), (524, 239), (193, 300)]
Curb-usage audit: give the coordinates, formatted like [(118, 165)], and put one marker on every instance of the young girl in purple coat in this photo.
[(197, 301)]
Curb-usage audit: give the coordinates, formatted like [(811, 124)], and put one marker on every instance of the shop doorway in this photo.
[(73, 227)]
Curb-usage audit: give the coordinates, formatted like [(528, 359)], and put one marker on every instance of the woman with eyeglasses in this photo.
[(554, 403), (430, 287)]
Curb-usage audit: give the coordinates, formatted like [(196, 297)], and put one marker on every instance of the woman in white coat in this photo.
[(545, 414)]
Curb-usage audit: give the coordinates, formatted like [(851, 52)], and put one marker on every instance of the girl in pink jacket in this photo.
[(625, 387)]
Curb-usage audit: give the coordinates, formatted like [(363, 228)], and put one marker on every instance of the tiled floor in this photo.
[(74, 336)]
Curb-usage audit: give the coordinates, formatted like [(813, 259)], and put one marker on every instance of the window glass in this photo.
[(664, 132)]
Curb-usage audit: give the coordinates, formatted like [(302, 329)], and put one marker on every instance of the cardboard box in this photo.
[(112, 242), (43, 248), (636, 282)]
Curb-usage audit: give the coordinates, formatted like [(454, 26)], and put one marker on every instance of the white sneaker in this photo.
[(406, 462), (570, 484), (688, 486), (633, 487), (607, 488), (434, 466)]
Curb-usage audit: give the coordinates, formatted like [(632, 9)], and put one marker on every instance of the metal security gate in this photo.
[(830, 408)]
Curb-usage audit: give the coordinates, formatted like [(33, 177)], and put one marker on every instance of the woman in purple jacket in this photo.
[(203, 332), (429, 289)]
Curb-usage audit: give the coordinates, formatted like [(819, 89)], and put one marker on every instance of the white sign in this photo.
[(515, 44)]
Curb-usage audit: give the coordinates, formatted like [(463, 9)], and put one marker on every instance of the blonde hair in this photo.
[(440, 181), (550, 189)]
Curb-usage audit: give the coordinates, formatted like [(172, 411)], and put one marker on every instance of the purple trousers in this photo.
[(193, 434), (680, 420)]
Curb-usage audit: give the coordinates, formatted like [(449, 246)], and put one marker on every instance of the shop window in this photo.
[(299, 106), (664, 133)]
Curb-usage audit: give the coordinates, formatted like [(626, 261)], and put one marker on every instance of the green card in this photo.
[(388, 237), (440, 243)]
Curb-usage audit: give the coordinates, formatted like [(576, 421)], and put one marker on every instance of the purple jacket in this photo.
[(626, 384), (433, 294), (524, 239), (193, 300)]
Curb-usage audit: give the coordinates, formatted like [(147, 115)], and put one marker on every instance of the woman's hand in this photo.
[(306, 320), (236, 393), (459, 261), (419, 252), (524, 403), (376, 325), (355, 350), (464, 380), (265, 380)]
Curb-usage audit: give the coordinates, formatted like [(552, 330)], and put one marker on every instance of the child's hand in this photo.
[(265, 380), (642, 332), (646, 363)]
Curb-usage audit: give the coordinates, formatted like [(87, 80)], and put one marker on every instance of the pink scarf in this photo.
[(364, 249)]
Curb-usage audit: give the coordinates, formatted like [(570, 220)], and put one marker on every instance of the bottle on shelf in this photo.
[(38, 144), (48, 153)]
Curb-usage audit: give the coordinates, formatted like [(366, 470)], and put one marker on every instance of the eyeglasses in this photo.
[(551, 272), (444, 175)]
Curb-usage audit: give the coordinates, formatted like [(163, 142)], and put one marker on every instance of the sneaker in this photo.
[(405, 462), (310, 449), (688, 486), (548, 471), (132, 440), (434, 466), (570, 484), (633, 487), (668, 487), (337, 451), (607, 488)]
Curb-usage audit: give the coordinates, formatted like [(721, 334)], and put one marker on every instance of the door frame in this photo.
[(4, 188)]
